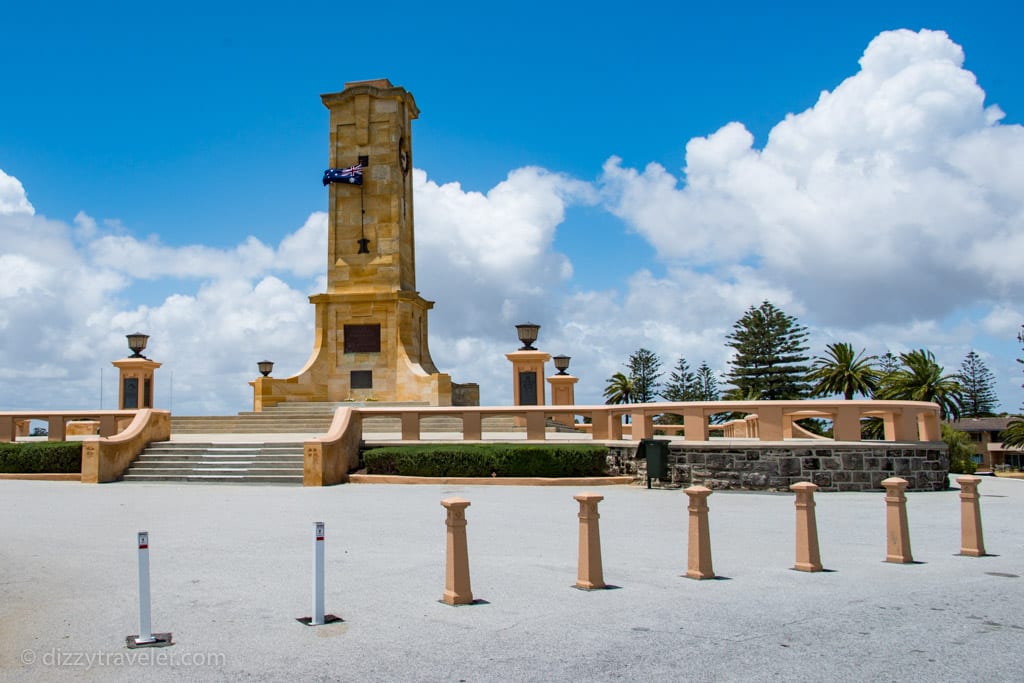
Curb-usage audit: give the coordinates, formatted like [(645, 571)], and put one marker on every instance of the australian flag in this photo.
[(352, 175)]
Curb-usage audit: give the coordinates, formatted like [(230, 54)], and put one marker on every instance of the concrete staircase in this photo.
[(309, 418), (236, 463)]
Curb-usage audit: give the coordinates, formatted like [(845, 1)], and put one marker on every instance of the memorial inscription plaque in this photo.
[(131, 393), (362, 338), (528, 388)]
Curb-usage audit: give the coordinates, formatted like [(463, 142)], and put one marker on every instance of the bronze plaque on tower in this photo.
[(362, 338)]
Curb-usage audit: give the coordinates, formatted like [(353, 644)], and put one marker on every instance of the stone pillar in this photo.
[(971, 541), (590, 574), (928, 425), (457, 590), (563, 393), (135, 383), (896, 530), (695, 424), (769, 423), (900, 425), (698, 565), (808, 559), (527, 377), (846, 423), (641, 425), (263, 393)]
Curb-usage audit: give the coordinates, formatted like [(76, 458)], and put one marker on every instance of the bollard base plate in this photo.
[(159, 640), (328, 619)]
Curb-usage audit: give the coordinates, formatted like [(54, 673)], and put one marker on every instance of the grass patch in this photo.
[(47, 457), (481, 460)]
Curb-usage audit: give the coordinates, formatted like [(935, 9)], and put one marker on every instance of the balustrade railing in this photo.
[(62, 423), (764, 420)]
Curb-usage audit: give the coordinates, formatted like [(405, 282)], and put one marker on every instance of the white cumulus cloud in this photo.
[(12, 196), (898, 194)]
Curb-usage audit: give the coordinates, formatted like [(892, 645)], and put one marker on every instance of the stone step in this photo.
[(215, 479), (240, 471), (190, 447), (206, 462), (245, 463)]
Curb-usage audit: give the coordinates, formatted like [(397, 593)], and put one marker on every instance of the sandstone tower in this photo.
[(371, 323)]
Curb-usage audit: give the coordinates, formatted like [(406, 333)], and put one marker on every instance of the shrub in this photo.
[(961, 451), (50, 457), (481, 460)]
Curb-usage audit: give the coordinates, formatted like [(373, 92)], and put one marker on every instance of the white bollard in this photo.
[(318, 575), (145, 627), (146, 637)]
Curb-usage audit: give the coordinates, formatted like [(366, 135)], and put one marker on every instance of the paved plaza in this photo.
[(231, 572)]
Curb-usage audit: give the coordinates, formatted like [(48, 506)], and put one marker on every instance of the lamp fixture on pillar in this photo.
[(137, 343), (266, 367), (562, 363), (527, 335)]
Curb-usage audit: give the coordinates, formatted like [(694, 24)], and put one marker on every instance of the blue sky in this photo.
[(176, 136)]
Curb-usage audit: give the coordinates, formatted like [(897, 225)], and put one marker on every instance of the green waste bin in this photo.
[(655, 451)]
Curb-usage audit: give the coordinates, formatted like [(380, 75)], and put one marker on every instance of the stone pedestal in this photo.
[(563, 393), (897, 533), (808, 558), (698, 561), (590, 573), (527, 377), (457, 590), (972, 541), (135, 382)]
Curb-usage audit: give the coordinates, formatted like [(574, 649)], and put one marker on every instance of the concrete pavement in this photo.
[(231, 572)]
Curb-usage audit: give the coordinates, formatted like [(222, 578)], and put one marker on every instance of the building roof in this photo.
[(981, 424)]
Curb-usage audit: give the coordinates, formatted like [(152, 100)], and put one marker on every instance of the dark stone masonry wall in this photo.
[(833, 467)]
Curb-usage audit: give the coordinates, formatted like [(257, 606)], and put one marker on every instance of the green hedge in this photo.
[(50, 457), (481, 460)]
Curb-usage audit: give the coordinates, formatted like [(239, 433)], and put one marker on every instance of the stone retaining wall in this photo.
[(833, 467)]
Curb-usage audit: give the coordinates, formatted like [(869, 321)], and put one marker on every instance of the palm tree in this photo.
[(620, 389), (921, 379), (843, 372), (1013, 435)]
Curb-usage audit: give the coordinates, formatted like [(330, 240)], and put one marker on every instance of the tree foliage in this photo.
[(706, 386), (978, 382), (620, 389), (888, 363), (842, 371), (644, 369), (1013, 435), (921, 379), (961, 450), (770, 352), (681, 384)]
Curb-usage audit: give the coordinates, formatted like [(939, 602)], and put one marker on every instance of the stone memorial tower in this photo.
[(371, 323)]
